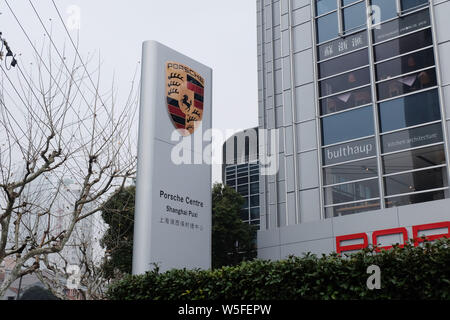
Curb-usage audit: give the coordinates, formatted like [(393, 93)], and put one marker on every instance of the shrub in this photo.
[(411, 272)]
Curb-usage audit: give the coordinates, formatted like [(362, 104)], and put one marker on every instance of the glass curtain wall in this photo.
[(381, 125)]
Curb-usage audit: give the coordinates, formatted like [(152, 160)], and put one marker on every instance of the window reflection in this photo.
[(346, 100), (412, 4), (344, 82), (352, 208), (415, 198), (388, 9), (405, 64), (409, 111), (350, 171), (403, 45), (414, 159), (354, 16), (327, 27), (352, 192), (347, 62), (406, 84), (324, 6), (416, 181), (347, 125)]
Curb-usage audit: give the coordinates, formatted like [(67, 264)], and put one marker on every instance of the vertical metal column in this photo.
[(317, 107), (440, 90), (375, 105), (294, 118)]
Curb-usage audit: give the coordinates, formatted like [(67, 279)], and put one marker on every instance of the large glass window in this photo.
[(346, 62), (409, 111), (354, 17), (401, 26), (387, 9), (327, 27), (350, 171), (405, 64), (347, 100), (402, 45), (406, 84), (350, 192), (412, 4), (347, 125), (416, 181), (415, 198), (344, 82), (414, 159), (343, 210), (412, 138), (324, 6)]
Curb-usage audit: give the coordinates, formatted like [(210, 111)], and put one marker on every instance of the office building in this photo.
[(240, 171), (360, 91)]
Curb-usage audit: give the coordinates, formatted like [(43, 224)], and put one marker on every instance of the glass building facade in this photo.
[(381, 127)]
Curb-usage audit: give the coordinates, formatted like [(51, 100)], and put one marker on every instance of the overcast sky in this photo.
[(220, 34)]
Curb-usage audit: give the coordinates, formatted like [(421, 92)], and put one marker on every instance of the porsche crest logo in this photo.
[(184, 90)]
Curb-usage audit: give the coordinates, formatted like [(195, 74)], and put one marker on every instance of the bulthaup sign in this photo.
[(173, 201)]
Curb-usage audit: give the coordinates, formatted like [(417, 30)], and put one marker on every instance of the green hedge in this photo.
[(406, 273)]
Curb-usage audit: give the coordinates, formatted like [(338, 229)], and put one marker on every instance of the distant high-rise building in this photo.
[(240, 170)]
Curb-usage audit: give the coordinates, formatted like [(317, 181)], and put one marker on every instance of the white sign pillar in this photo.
[(172, 225)]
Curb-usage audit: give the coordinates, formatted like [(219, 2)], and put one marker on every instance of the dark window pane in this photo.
[(324, 6), (411, 138), (349, 151), (327, 27), (416, 181), (405, 64), (352, 208), (414, 159), (412, 4), (245, 204), (242, 180), (254, 201), (347, 125), (344, 82), (244, 215), (347, 62), (346, 100), (243, 190), (254, 178), (254, 188), (350, 171), (254, 213), (403, 45), (415, 198), (342, 45), (388, 9), (231, 182), (242, 174), (406, 84), (354, 16), (242, 168), (352, 192), (409, 111), (402, 25)]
